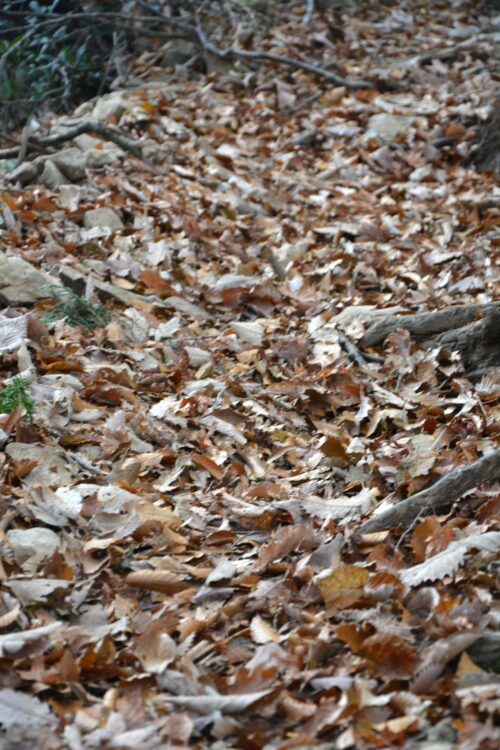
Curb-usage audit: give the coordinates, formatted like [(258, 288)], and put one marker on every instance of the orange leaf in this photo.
[(208, 465), (390, 655), (344, 587), (156, 580), (353, 635), (23, 467), (153, 281), (64, 365)]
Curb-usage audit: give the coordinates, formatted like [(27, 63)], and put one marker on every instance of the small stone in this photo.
[(52, 177), (24, 173), (33, 541), (103, 218), (20, 282), (387, 127), (96, 159), (71, 162), (112, 105)]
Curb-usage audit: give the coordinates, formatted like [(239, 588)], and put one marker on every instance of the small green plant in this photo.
[(51, 57), (75, 310), (16, 394)]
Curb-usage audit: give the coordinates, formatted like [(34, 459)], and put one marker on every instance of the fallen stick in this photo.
[(230, 53), (353, 352), (88, 126), (442, 493)]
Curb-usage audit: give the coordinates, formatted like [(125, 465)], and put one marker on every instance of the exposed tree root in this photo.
[(472, 330), (439, 495), (485, 652), (486, 157)]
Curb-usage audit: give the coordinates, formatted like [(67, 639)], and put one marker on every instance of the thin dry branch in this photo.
[(88, 126), (441, 494), (234, 52), (446, 53), (309, 12)]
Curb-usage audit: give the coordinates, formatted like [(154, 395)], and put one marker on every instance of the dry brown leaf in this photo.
[(390, 655), (345, 579), (157, 580)]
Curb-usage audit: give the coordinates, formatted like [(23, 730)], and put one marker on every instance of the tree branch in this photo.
[(309, 13), (234, 52), (89, 126)]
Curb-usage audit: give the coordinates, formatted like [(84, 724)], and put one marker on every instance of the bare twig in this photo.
[(439, 495), (445, 53), (302, 103), (234, 52), (309, 13), (17, 143), (84, 464), (353, 352), (90, 126)]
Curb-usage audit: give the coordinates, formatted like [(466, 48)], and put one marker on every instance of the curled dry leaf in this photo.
[(207, 704), (262, 631), (157, 580)]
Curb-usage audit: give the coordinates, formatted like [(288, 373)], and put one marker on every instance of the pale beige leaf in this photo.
[(446, 562), (262, 631), (207, 704), (11, 643)]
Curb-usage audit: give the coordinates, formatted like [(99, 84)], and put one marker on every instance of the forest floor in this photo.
[(192, 552)]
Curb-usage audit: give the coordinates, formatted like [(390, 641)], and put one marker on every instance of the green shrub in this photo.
[(49, 60)]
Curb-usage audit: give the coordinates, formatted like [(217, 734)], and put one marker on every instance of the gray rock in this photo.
[(20, 282), (98, 153), (104, 218), (29, 542), (111, 105), (96, 159), (52, 177), (24, 173), (387, 127), (71, 162)]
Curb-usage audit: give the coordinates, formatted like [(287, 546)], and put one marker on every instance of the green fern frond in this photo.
[(75, 310), (16, 394)]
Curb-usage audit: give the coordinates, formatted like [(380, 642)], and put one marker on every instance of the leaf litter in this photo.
[(205, 447)]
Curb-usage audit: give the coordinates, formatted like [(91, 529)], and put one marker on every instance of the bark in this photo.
[(439, 495), (485, 652), (486, 157), (472, 330), (88, 126)]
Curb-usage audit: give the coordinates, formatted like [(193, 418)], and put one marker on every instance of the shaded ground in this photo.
[(183, 563)]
